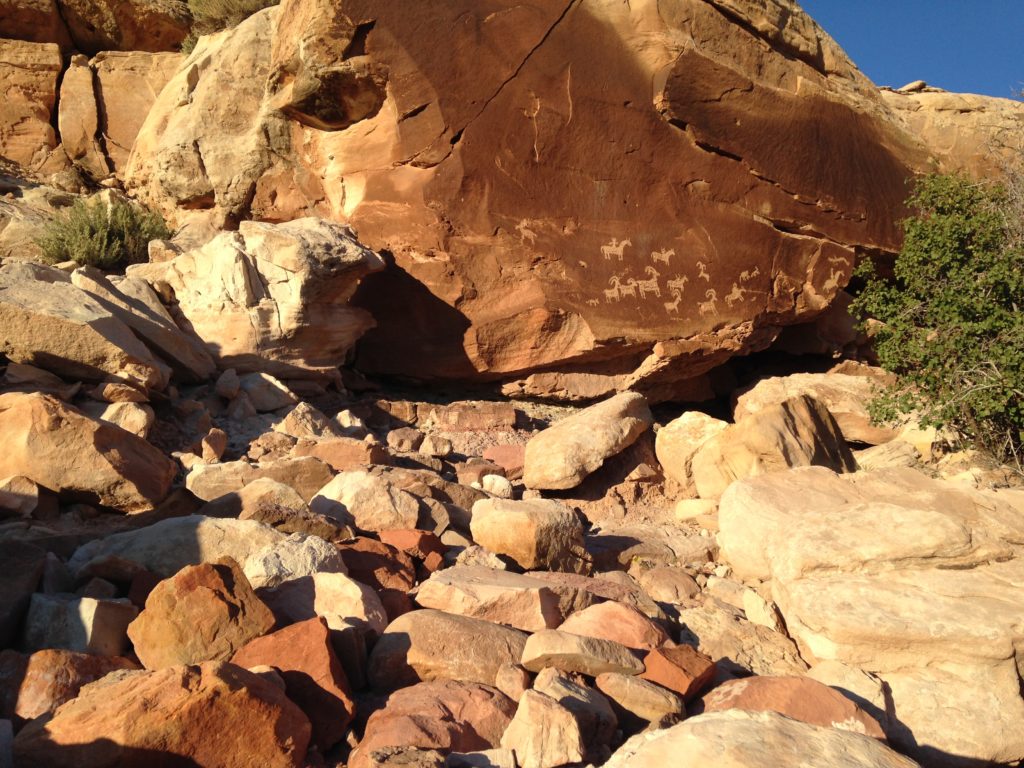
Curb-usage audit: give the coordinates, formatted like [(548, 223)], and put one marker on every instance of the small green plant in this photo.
[(101, 234), (950, 317), (213, 15)]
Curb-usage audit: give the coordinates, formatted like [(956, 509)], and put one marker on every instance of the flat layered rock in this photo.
[(499, 596), (928, 574), (174, 711), (562, 455), (617, 622), (575, 653), (432, 645), (751, 740), (640, 698)]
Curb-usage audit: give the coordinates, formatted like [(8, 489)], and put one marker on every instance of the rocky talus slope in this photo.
[(226, 541)]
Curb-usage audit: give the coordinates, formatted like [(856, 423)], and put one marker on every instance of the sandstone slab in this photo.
[(681, 669), (368, 501), (536, 533), (575, 653), (54, 676), (543, 733), (617, 622), (562, 455)]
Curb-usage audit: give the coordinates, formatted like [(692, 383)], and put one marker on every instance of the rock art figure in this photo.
[(672, 307), (838, 260), (736, 294), (664, 255), (525, 233), (703, 271), (594, 302), (629, 289), (649, 286), (709, 307), (747, 275), (614, 248), (833, 281), (678, 283)]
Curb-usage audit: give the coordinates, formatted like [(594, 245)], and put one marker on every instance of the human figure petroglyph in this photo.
[(672, 307), (736, 294), (525, 233), (664, 255), (649, 286), (614, 248), (747, 275), (703, 271), (678, 283), (709, 307)]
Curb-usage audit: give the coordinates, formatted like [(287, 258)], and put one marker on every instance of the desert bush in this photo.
[(107, 235), (950, 317), (213, 15)]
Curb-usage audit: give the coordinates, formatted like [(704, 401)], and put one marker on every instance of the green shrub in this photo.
[(213, 15), (952, 328), (98, 234)]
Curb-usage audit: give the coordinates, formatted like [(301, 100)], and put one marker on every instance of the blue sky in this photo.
[(973, 46)]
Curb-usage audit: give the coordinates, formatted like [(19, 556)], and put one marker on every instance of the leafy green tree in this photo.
[(98, 233), (950, 322)]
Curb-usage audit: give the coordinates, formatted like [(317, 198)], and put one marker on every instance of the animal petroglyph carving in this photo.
[(709, 307), (595, 302), (525, 233), (736, 294), (833, 281), (610, 295), (838, 260), (678, 283), (614, 248), (618, 289), (649, 286), (747, 275), (703, 271), (672, 307), (629, 289), (664, 256), (582, 263)]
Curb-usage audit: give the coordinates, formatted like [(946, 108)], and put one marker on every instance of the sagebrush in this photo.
[(98, 233), (950, 317), (213, 15)]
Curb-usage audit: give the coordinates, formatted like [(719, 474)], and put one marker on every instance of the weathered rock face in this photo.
[(210, 714), (657, 232), (53, 677), (36, 21), (104, 102), (60, 448), (272, 298), (28, 89), (132, 25), (912, 579)]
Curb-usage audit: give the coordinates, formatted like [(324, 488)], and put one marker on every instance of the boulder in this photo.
[(259, 499), (562, 455), (209, 714), (51, 323), (543, 733), (681, 669), (271, 298), (799, 432), (204, 612), (617, 622), (265, 392), (642, 700), (924, 571), (739, 739), (295, 557), (535, 533), (304, 474), (799, 698), (432, 645), (369, 502), (54, 676), (575, 653), (314, 678), (166, 547), (304, 422), (846, 396), (676, 443), (499, 596), (593, 712), (446, 715), (83, 624), (344, 453), (60, 449), (341, 601), (29, 73)]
